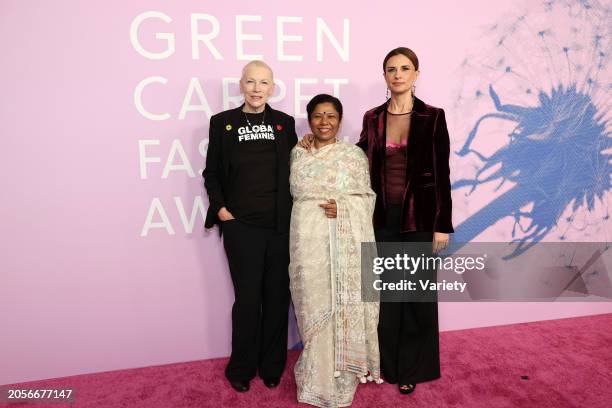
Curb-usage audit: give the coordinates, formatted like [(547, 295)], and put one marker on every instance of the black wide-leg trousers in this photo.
[(408, 333), (258, 261)]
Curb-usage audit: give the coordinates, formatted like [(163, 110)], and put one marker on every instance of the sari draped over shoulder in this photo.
[(338, 329)]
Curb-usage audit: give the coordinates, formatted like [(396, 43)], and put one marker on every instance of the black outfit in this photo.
[(222, 138), (408, 331), (247, 171), (253, 173)]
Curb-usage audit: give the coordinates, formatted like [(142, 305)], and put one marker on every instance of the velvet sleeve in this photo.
[(441, 154), (363, 137)]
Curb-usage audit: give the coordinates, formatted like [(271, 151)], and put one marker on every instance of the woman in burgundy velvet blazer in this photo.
[(427, 204), (408, 146)]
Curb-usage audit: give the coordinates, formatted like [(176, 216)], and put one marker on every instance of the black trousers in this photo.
[(258, 260), (408, 332)]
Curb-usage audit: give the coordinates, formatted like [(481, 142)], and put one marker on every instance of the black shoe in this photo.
[(271, 382), (406, 388), (240, 385)]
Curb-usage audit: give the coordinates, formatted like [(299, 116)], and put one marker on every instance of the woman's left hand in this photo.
[(440, 242), (330, 207)]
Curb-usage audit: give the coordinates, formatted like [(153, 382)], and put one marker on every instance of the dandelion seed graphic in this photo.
[(535, 109)]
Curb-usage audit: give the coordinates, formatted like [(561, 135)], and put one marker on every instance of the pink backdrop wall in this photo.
[(85, 285)]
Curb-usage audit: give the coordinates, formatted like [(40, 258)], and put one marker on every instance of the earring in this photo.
[(413, 90), (387, 95)]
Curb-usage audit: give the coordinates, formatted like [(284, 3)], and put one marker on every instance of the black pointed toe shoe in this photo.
[(271, 382), (240, 385)]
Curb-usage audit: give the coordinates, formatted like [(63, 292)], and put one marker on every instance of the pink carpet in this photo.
[(568, 363)]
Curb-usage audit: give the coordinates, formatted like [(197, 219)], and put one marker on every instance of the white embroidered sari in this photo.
[(338, 330)]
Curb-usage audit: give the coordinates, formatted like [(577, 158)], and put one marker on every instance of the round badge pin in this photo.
[(279, 127), (228, 127)]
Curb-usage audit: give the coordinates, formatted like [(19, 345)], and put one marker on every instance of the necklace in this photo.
[(326, 155), (401, 113), (263, 117)]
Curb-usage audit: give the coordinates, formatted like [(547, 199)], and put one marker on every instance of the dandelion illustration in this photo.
[(535, 109)]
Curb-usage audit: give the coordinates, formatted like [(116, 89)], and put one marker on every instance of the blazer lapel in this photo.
[(282, 149), (380, 129), (416, 134), (233, 118)]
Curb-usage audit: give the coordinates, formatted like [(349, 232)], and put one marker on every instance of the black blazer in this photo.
[(427, 204), (216, 173)]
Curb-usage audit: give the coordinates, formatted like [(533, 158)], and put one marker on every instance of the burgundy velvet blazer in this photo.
[(427, 204)]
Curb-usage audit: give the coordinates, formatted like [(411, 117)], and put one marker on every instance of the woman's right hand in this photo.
[(224, 214), (306, 141), (330, 207)]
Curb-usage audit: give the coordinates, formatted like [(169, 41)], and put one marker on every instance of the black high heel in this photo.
[(406, 388)]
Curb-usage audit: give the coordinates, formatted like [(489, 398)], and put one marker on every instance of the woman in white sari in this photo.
[(332, 214)]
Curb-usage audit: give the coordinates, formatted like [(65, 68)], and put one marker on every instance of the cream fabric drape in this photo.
[(338, 330)]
